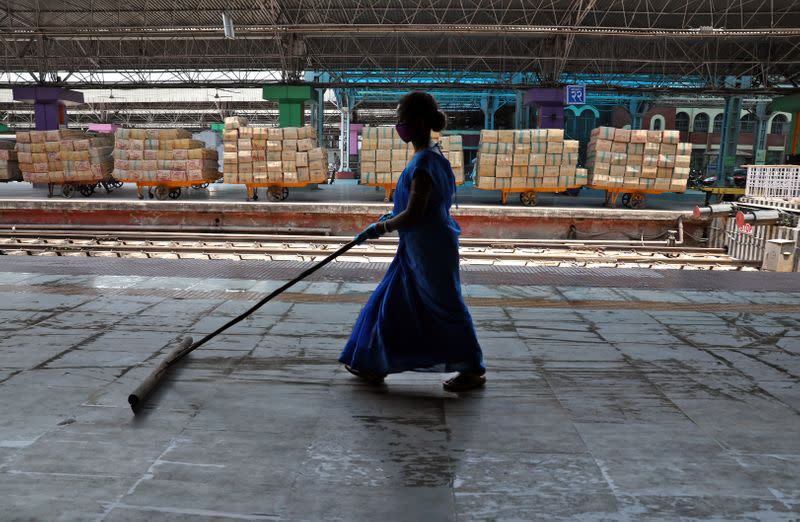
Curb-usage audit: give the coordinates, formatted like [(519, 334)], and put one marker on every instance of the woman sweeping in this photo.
[(417, 319)]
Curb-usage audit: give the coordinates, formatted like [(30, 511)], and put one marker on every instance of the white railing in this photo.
[(773, 181)]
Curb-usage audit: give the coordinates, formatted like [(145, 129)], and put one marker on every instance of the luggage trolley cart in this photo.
[(276, 190), (86, 187), (629, 197), (162, 190), (528, 195)]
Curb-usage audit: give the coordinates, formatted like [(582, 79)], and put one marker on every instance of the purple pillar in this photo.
[(550, 106), (49, 104), (355, 130)]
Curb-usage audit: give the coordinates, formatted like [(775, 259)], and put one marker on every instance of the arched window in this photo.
[(747, 123), (682, 122), (657, 123), (700, 122), (779, 125), (718, 123)]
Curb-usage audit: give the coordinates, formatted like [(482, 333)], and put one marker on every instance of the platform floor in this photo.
[(351, 191), (612, 396)]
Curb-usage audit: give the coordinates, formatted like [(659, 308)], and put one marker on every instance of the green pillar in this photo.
[(790, 104), (291, 102)]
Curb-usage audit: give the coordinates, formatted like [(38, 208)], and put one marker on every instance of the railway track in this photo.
[(62, 241)]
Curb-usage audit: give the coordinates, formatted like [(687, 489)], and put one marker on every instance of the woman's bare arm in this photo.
[(421, 186)]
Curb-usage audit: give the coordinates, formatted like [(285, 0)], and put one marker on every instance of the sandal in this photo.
[(464, 382), (370, 377)]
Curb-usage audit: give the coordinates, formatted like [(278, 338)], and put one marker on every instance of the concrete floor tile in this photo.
[(37, 301), (555, 354), (313, 328), (56, 497), (181, 307), (225, 285), (681, 476), (13, 278), (714, 507), (652, 296), (122, 305), (572, 293), (755, 425), (546, 433), (503, 486), (548, 335), (368, 504), (773, 297), (25, 351), (80, 321), (348, 288), (332, 313), (167, 283), (606, 441), (111, 281)]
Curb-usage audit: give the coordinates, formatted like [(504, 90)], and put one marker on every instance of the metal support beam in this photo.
[(638, 108), (520, 111), (760, 134), (729, 137), (345, 103), (318, 116), (489, 106)]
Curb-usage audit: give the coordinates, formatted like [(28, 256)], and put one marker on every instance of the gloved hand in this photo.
[(374, 231), (386, 217)]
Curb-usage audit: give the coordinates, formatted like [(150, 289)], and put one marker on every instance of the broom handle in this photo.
[(188, 349)]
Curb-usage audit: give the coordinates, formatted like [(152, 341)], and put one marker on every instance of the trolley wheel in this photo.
[(162, 192), (175, 193), (626, 200), (528, 198), (140, 195), (277, 193), (86, 190), (116, 184), (67, 190), (637, 201)]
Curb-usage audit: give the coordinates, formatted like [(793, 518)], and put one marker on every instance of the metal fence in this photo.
[(749, 245), (773, 182)]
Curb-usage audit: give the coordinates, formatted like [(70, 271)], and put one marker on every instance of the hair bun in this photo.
[(439, 121)]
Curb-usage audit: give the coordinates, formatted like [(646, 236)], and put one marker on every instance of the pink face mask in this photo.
[(404, 131)]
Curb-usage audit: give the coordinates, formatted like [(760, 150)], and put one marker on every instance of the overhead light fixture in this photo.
[(227, 25)]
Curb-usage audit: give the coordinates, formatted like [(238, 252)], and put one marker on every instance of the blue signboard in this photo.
[(576, 94)]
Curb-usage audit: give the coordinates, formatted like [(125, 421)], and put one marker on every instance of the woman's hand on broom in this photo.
[(374, 231)]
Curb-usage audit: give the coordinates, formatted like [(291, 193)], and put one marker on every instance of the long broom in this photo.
[(186, 346)]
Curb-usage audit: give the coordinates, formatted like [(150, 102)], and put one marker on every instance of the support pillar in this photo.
[(489, 106), (49, 104), (550, 104), (344, 100), (760, 134), (520, 111), (291, 102), (320, 117), (638, 108), (729, 136)]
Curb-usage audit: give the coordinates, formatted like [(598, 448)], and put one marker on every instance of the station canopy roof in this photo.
[(713, 46)]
